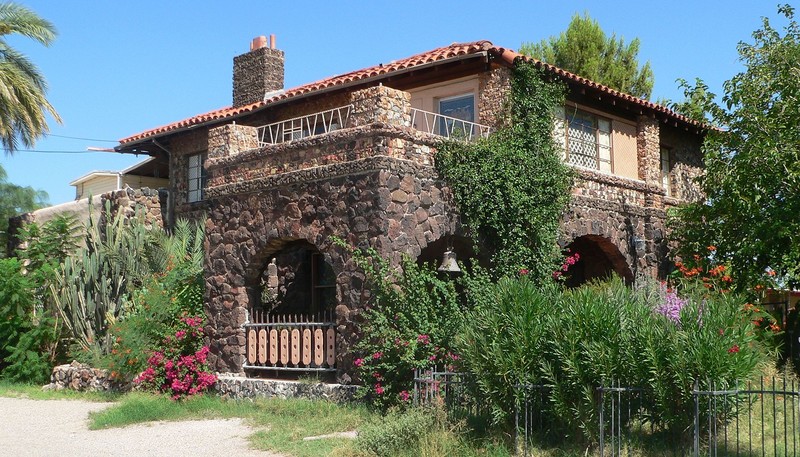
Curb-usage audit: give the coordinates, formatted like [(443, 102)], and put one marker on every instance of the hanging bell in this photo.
[(449, 264)]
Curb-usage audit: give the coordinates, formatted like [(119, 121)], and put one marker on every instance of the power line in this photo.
[(79, 138), (42, 151)]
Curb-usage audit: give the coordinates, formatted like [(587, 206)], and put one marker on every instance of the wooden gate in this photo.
[(292, 342)]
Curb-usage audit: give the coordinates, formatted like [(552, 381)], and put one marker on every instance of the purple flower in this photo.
[(672, 305)]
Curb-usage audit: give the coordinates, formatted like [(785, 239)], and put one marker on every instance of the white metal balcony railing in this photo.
[(304, 126), (446, 126), (334, 119)]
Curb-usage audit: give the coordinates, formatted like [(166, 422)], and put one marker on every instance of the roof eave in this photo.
[(126, 148)]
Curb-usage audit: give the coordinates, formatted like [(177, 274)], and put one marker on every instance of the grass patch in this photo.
[(282, 424), (35, 392)]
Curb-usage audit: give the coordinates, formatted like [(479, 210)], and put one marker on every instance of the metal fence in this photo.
[(755, 418), (304, 126), (438, 386), (752, 419)]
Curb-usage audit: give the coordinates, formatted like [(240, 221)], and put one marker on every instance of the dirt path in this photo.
[(59, 427)]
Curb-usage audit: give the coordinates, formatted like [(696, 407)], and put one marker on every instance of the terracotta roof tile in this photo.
[(435, 55), (509, 56), (446, 52)]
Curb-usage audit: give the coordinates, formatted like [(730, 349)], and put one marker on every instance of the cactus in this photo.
[(92, 288)]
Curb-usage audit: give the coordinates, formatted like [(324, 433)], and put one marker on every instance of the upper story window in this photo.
[(196, 175), (456, 109), (666, 166), (588, 140)]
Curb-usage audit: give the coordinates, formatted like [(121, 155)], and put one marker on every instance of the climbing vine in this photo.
[(512, 188)]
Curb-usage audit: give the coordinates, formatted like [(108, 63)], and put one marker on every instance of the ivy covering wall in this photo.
[(513, 187)]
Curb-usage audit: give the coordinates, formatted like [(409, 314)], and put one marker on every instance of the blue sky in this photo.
[(118, 68)]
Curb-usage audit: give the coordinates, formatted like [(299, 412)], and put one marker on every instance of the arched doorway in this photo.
[(295, 279), (598, 259)]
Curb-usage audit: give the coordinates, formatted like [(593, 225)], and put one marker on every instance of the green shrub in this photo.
[(573, 341), (397, 432), (158, 308), (504, 338), (25, 338), (411, 322)]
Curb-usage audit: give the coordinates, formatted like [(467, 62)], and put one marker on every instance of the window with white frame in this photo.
[(196, 178), (665, 169), (588, 140)]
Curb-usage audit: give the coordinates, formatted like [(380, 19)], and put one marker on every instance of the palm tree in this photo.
[(22, 88)]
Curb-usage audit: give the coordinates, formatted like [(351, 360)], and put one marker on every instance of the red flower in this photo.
[(358, 362), (733, 349), (378, 389), (523, 271)]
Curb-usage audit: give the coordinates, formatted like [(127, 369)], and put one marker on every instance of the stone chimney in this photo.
[(257, 72)]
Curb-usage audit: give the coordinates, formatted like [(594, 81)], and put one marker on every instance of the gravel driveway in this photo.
[(59, 428)]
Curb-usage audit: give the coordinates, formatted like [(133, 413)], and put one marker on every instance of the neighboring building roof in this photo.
[(132, 170), (438, 55)]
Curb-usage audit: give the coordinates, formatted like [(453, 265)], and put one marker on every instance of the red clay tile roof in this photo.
[(509, 56), (435, 55)]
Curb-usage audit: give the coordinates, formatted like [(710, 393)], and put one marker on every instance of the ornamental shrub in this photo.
[(179, 366), (156, 309), (410, 323), (575, 340)]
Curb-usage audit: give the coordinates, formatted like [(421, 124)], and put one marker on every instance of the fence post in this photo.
[(696, 395), (602, 422)]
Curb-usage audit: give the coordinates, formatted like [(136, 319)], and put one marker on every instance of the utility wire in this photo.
[(41, 151), (79, 138)]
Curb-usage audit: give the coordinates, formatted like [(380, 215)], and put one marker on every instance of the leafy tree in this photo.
[(698, 102), (585, 49), (752, 180), (22, 88), (15, 200)]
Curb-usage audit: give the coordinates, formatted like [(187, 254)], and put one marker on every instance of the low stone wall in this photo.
[(239, 387), (83, 378)]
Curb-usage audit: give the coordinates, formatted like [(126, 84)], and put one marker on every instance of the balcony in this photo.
[(304, 126), (448, 127), (328, 121)]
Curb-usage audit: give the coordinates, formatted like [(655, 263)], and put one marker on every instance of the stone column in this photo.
[(231, 139), (382, 105), (648, 147)]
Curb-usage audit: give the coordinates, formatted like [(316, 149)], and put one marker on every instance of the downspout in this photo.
[(170, 190)]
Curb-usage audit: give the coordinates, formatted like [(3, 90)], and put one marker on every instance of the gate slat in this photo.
[(295, 347), (273, 346), (284, 350), (251, 347), (306, 347), (262, 346), (330, 352), (319, 348)]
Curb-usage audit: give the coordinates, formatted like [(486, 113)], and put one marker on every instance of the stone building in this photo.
[(282, 171)]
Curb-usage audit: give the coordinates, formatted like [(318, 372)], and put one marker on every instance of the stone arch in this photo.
[(290, 276), (599, 259)]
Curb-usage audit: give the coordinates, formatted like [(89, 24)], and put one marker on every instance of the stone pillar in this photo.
[(380, 104), (231, 139), (648, 148)]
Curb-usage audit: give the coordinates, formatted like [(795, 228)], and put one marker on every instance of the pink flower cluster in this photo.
[(569, 261), (423, 339), (176, 372)]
